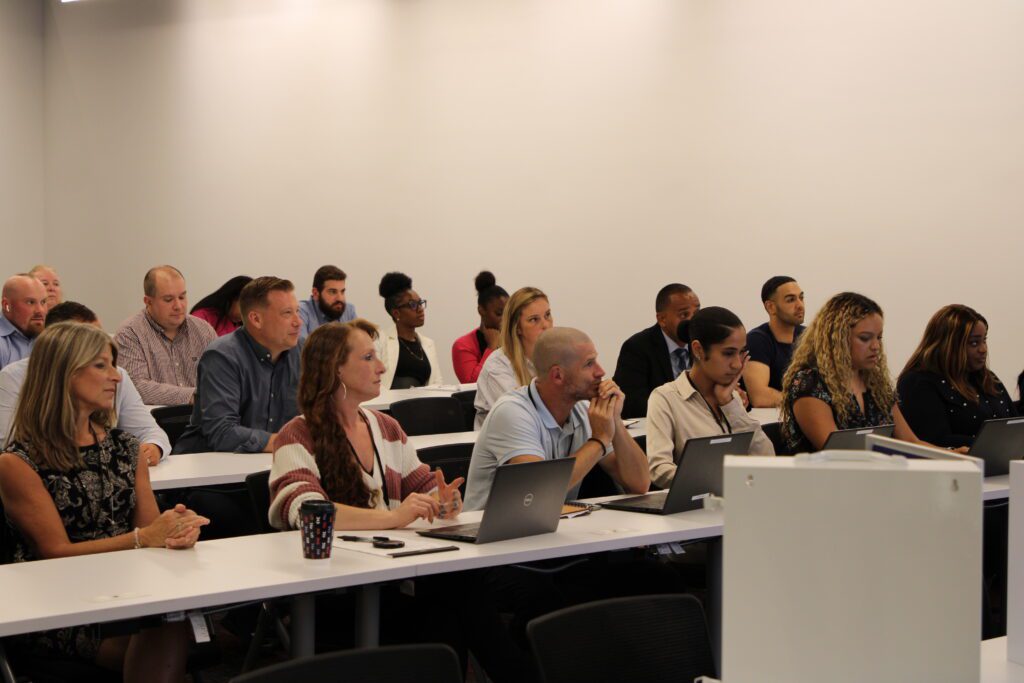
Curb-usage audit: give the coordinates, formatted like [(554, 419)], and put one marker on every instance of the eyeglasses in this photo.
[(415, 305)]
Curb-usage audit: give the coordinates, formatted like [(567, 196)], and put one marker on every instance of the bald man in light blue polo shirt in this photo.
[(568, 411)]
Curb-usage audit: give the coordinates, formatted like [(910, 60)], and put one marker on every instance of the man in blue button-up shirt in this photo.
[(327, 302), (246, 381), (22, 314)]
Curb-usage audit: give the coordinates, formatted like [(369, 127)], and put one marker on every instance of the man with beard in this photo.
[(771, 344), (568, 411), (22, 316), (327, 302)]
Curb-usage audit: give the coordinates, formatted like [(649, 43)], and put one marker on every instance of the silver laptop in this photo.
[(853, 439), (998, 442), (699, 473), (890, 446), (526, 500)]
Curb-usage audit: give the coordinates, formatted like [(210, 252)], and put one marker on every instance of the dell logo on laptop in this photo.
[(528, 500)]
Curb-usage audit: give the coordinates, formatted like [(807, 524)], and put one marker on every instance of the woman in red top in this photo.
[(471, 350), (220, 309)]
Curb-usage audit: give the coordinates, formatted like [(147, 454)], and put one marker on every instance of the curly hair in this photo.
[(327, 349), (825, 346), (392, 286), (943, 351)]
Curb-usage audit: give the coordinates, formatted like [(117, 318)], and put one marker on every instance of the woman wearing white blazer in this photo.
[(410, 359)]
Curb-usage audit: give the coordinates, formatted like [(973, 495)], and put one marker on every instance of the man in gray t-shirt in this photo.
[(568, 411)]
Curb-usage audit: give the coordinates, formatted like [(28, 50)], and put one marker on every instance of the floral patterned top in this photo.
[(807, 383), (95, 501)]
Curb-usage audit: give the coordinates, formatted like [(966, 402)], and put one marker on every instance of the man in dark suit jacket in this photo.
[(655, 356)]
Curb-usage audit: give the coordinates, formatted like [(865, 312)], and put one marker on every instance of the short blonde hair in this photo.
[(44, 420)]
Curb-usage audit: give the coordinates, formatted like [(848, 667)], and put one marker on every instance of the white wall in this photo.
[(594, 148), (21, 135)]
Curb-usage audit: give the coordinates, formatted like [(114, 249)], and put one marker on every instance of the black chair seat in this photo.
[(433, 415)]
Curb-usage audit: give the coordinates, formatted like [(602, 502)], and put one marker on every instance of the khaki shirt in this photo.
[(676, 412)]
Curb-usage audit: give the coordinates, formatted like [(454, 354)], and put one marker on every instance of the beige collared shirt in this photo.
[(676, 412)]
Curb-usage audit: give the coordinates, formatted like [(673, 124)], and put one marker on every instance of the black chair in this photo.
[(773, 430), (173, 420), (453, 459), (656, 638), (434, 415), (641, 441), (466, 399), (434, 663), (258, 485)]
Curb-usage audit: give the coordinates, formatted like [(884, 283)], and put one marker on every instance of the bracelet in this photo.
[(604, 449), (138, 544)]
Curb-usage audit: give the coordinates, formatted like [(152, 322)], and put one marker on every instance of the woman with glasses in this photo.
[(410, 359)]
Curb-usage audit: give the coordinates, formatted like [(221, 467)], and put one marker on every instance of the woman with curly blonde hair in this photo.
[(839, 378)]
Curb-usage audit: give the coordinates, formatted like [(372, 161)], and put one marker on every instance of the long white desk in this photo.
[(135, 583), (211, 469), (389, 396)]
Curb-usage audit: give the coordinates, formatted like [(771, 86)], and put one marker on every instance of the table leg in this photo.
[(714, 598), (368, 616), (303, 625)]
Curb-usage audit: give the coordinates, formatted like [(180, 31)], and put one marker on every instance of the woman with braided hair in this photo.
[(839, 378)]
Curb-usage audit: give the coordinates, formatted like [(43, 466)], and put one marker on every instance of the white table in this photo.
[(995, 667), (136, 583), (210, 469), (389, 396)]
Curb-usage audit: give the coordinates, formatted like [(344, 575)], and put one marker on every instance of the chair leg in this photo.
[(258, 636), (5, 667)]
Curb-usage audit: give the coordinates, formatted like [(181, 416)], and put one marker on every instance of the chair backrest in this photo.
[(642, 638), (773, 430), (453, 459), (258, 484), (433, 415), (173, 420), (467, 399), (433, 663)]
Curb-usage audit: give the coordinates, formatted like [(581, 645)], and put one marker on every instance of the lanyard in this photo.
[(723, 422), (529, 392)]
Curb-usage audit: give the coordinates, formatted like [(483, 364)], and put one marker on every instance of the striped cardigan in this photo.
[(294, 476)]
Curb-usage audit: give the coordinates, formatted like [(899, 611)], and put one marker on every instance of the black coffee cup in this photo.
[(316, 518)]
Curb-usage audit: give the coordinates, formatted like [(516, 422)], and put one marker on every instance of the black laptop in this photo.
[(853, 439), (526, 500), (699, 473), (998, 442)]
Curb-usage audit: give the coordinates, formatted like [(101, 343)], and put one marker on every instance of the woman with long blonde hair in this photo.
[(946, 390), (838, 378), (72, 484), (527, 314)]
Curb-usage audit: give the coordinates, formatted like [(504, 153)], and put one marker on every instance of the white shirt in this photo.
[(132, 414), (497, 377)]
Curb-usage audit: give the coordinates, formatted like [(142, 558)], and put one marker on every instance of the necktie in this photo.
[(680, 364)]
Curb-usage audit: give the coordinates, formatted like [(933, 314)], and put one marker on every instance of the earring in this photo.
[(344, 389)]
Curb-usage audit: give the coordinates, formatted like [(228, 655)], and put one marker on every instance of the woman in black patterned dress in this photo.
[(72, 485)]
